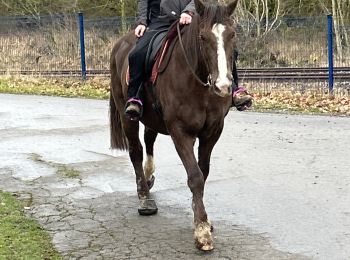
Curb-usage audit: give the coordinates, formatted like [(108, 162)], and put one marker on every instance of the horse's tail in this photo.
[(118, 138), (117, 134)]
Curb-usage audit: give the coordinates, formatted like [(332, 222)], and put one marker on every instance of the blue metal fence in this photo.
[(330, 53), (82, 45)]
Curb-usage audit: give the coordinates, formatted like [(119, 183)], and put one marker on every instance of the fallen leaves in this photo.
[(313, 100)]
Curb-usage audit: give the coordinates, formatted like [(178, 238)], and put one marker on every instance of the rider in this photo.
[(155, 15), (150, 16)]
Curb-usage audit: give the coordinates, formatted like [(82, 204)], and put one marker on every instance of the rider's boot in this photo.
[(241, 99), (133, 108)]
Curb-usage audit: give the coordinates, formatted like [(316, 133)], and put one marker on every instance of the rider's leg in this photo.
[(137, 59), (240, 97)]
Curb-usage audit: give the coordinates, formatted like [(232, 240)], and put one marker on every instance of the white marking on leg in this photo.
[(223, 81), (149, 167), (203, 236)]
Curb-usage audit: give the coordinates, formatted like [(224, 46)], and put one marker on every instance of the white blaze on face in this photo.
[(223, 80)]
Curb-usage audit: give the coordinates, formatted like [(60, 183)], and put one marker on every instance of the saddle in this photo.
[(164, 53), (158, 54), (153, 50)]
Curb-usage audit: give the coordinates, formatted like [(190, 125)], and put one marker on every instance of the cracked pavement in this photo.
[(278, 187)]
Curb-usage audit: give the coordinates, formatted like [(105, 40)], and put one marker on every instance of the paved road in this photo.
[(279, 186)]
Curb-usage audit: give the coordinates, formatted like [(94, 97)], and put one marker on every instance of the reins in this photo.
[(208, 84)]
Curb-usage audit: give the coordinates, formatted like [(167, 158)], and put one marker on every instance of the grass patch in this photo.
[(96, 88), (68, 172), (62, 170), (21, 237)]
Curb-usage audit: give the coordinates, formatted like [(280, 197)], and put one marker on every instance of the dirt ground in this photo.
[(279, 186)]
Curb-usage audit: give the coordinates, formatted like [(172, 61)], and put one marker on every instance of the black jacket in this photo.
[(150, 11)]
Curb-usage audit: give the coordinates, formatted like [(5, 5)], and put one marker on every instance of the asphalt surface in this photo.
[(279, 186)]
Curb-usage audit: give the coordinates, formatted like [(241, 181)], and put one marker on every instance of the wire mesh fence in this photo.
[(51, 43), (39, 44), (292, 42)]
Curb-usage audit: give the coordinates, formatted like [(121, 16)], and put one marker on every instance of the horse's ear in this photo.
[(231, 7), (200, 7)]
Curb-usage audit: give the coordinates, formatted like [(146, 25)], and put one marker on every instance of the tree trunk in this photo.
[(257, 18), (336, 30), (122, 12)]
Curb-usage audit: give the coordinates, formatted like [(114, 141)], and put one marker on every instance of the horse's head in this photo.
[(216, 41)]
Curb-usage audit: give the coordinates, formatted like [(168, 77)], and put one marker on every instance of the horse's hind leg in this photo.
[(149, 137), (147, 205)]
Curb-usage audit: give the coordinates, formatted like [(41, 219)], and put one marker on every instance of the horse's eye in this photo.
[(232, 35), (204, 36)]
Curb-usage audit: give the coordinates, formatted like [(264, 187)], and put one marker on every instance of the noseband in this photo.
[(209, 82)]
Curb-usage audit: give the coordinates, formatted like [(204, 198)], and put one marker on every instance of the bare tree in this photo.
[(265, 14)]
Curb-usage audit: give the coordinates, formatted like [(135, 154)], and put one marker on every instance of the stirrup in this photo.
[(133, 109)]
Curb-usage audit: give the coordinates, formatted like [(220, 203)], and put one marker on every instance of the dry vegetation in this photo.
[(56, 47), (308, 98), (50, 49), (97, 88), (268, 97)]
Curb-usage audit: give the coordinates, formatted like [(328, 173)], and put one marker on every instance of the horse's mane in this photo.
[(212, 14)]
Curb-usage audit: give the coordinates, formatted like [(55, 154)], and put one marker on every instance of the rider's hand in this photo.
[(185, 18), (140, 30)]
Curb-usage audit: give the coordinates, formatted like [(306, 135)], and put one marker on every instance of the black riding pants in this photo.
[(137, 59), (234, 71)]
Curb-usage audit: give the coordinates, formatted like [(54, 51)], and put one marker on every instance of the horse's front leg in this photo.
[(206, 145), (147, 205), (207, 141), (184, 146)]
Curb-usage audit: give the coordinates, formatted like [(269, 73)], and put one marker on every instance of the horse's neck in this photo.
[(195, 63)]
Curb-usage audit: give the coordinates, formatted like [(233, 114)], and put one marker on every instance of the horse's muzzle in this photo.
[(223, 91)]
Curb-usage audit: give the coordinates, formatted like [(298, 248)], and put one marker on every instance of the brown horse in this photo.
[(191, 108)]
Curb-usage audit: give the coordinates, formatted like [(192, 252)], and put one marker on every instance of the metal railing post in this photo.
[(82, 45), (330, 53)]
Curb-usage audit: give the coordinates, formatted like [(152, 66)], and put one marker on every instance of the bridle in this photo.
[(209, 82)]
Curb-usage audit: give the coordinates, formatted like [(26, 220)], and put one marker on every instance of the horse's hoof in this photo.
[(150, 182), (203, 237), (207, 248), (147, 207)]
